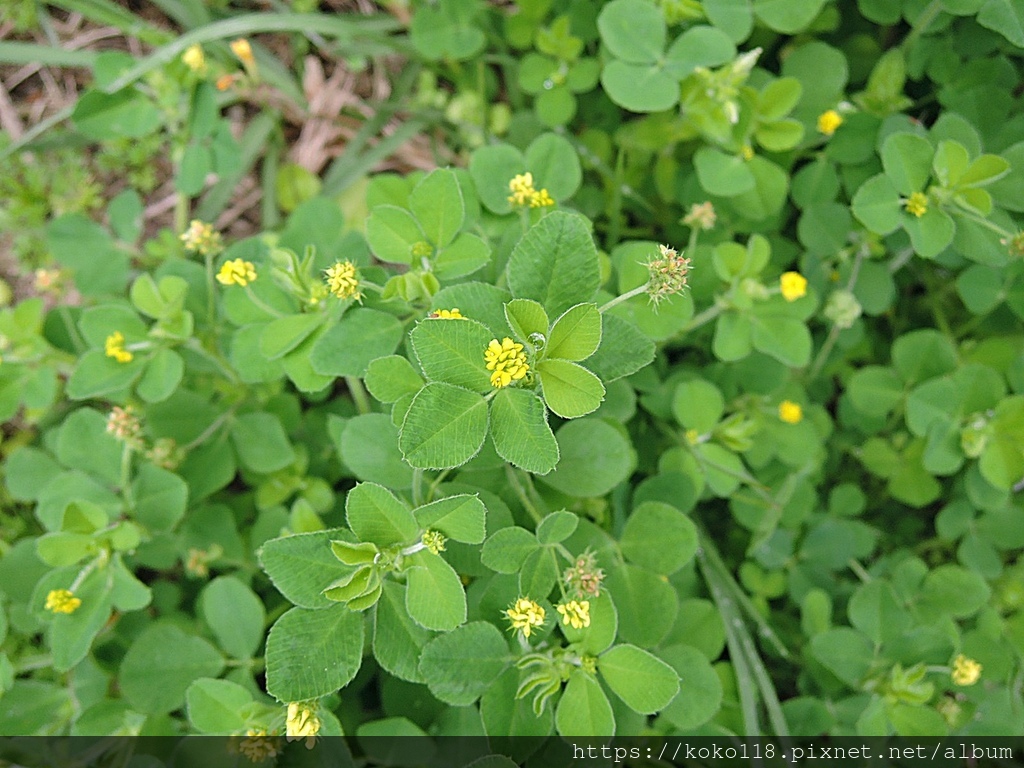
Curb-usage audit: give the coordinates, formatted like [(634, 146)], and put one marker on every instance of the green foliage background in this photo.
[(804, 503)]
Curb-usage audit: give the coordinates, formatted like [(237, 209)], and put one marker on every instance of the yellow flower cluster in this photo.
[(202, 238), (507, 361), (917, 204), (793, 285), (965, 671), (195, 59), (302, 722), (243, 51), (236, 272), (434, 541), (790, 412), (343, 281), (524, 194), (525, 615), (62, 601), (114, 347), (829, 121), (447, 314), (575, 613), (257, 746)]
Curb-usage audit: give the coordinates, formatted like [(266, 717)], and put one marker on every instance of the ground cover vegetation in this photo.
[(551, 366)]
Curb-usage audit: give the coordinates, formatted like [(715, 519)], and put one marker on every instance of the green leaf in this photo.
[(526, 317), (460, 665), (311, 654), (284, 334), (875, 390), (375, 514), (70, 636), (216, 706), (877, 205), (778, 98), (722, 174), (462, 518), (463, 257), (847, 653), (659, 537), (595, 457), (583, 709), (507, 549), (698, 404), (575, 335), (1002, 462), (160, 497), (398, 641), (644, 682), (436, 202), (633, 30), (492, 168), (604, 624), (570, 390), (520, 431), (163, 374), (907, 160), (554, 162), (392, 232), (556, 527), (1005, 17), (390, 378), (647, 605), (624, 349), (639, 87), (784, 338), (452, 351), (161, 664), (261, 442), (124, 114), (787, 16), (699, 46), (302, 567), (951, 590), (83, 443), (358, 339), (435, 598), (444, 427), (97, 375), (734, 17), (923, 354), (368, 445), (930, 234), (700, 694), (235, 615), (555, 263)]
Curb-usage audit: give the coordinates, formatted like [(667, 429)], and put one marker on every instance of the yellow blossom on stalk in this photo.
[(236, 272), (829, 121), (202, 238), (343, 281), (302, 723), (195, 59), (748, 152), (793, 285), (243, 51), (224, 82), (434, 541), (790, 412), (507, 361), (917, 204), (447, 314), (525, 614), (524, 194), (62, 601), (575, 613), (257, 746), (114, 347), (965, 671)]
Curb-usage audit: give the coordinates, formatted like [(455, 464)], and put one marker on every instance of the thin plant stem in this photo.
[(624, 297), (358, 393)]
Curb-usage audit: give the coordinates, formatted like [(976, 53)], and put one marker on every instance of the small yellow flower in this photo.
[(790, 412), (525, 614), (202, 238), (524, 194), (434, 541), (447, 314), (793, 285), (243, 51), (917, 204), (507, 361), (302, 723), (575, 613), (257, 746), (343, 281), (224, 82), (747, 152), (236, 272), (195, 59), (692, 436), (62, 601), (965, 671), (114, 347), (829, 121)]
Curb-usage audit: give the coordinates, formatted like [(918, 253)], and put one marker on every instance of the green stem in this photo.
[(181, 210), (625, 297), (194, 346), (211, 290), (520, 491), (126, 474), (923, 21), (72, 329), (823, 353), (417, 487), (987, 223), (615, 208), (209, 431), (858, 569), (260, 303), (705, 317), (358, 393)]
